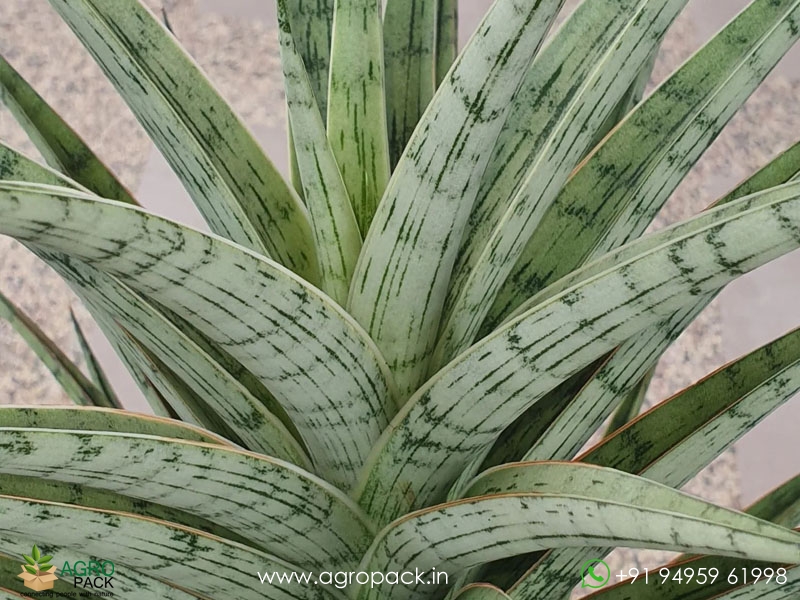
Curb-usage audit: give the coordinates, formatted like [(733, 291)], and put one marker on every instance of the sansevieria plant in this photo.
[(388, 365)]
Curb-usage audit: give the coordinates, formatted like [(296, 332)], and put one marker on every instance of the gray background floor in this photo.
[(234, 41)]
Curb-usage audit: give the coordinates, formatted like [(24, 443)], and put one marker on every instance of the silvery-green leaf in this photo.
[(333, 223), (357, 104), (281, 508), (530, 506), (570, 89), (96, 373), (402, 276), (234, 185), (164, 551), (709, 416), (616, 193), (82, 495), (448, 421), (74, 383), (60, 146), (410, 53), (331, 380), (313, 19), (103, 419)]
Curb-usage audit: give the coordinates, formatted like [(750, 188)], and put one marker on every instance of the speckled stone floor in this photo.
[(240, 55)]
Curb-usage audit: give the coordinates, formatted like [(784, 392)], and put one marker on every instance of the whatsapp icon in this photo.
[(595, 574)]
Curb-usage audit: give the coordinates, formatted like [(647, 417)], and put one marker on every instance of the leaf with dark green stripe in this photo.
[(103, 419), (690, 427), (566, 95), (604, 390), (401, 279), (61, 147), (410, 53), (82, 495), (336, 232), (518, 437), (781, 505), (448, 420), (313, 20), (616, 193), (446, 37), (530, 506), (234, 185), (783, 168), (357, 104), (248, 417), (709, 416), (331, 380), (96, 372), (165, 551), (281, 508), (74, 383), (631, 404), (215, 397)]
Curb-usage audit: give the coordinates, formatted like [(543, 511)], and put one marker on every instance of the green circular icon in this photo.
[(595, 573)]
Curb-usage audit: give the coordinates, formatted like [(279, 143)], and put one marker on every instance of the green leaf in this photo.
[(29, 560), (410, 52), (74, 383), (332, 381), (401, 279), (566, 95), (446, 37), (602, 392), (709, 416), (357, 104), (605, 389), (629, 100), (205, 381), (313, 19), (781, 505), (678, 437), (31, 570), (105, 420), (631, 404), (526, 507), (35, 553), (481, 591), (616, 193), (448, 421), (96, 373), (281, 508), (235, 186), (783, 168), (45, 559), (61, 147), (220, 389), (172, 554), (81, 495), (333, 223)]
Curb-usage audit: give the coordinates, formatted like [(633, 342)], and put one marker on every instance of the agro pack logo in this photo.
[(90, 575), (88, 578)]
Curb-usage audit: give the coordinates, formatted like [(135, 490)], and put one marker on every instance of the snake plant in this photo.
[(389, 363)]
